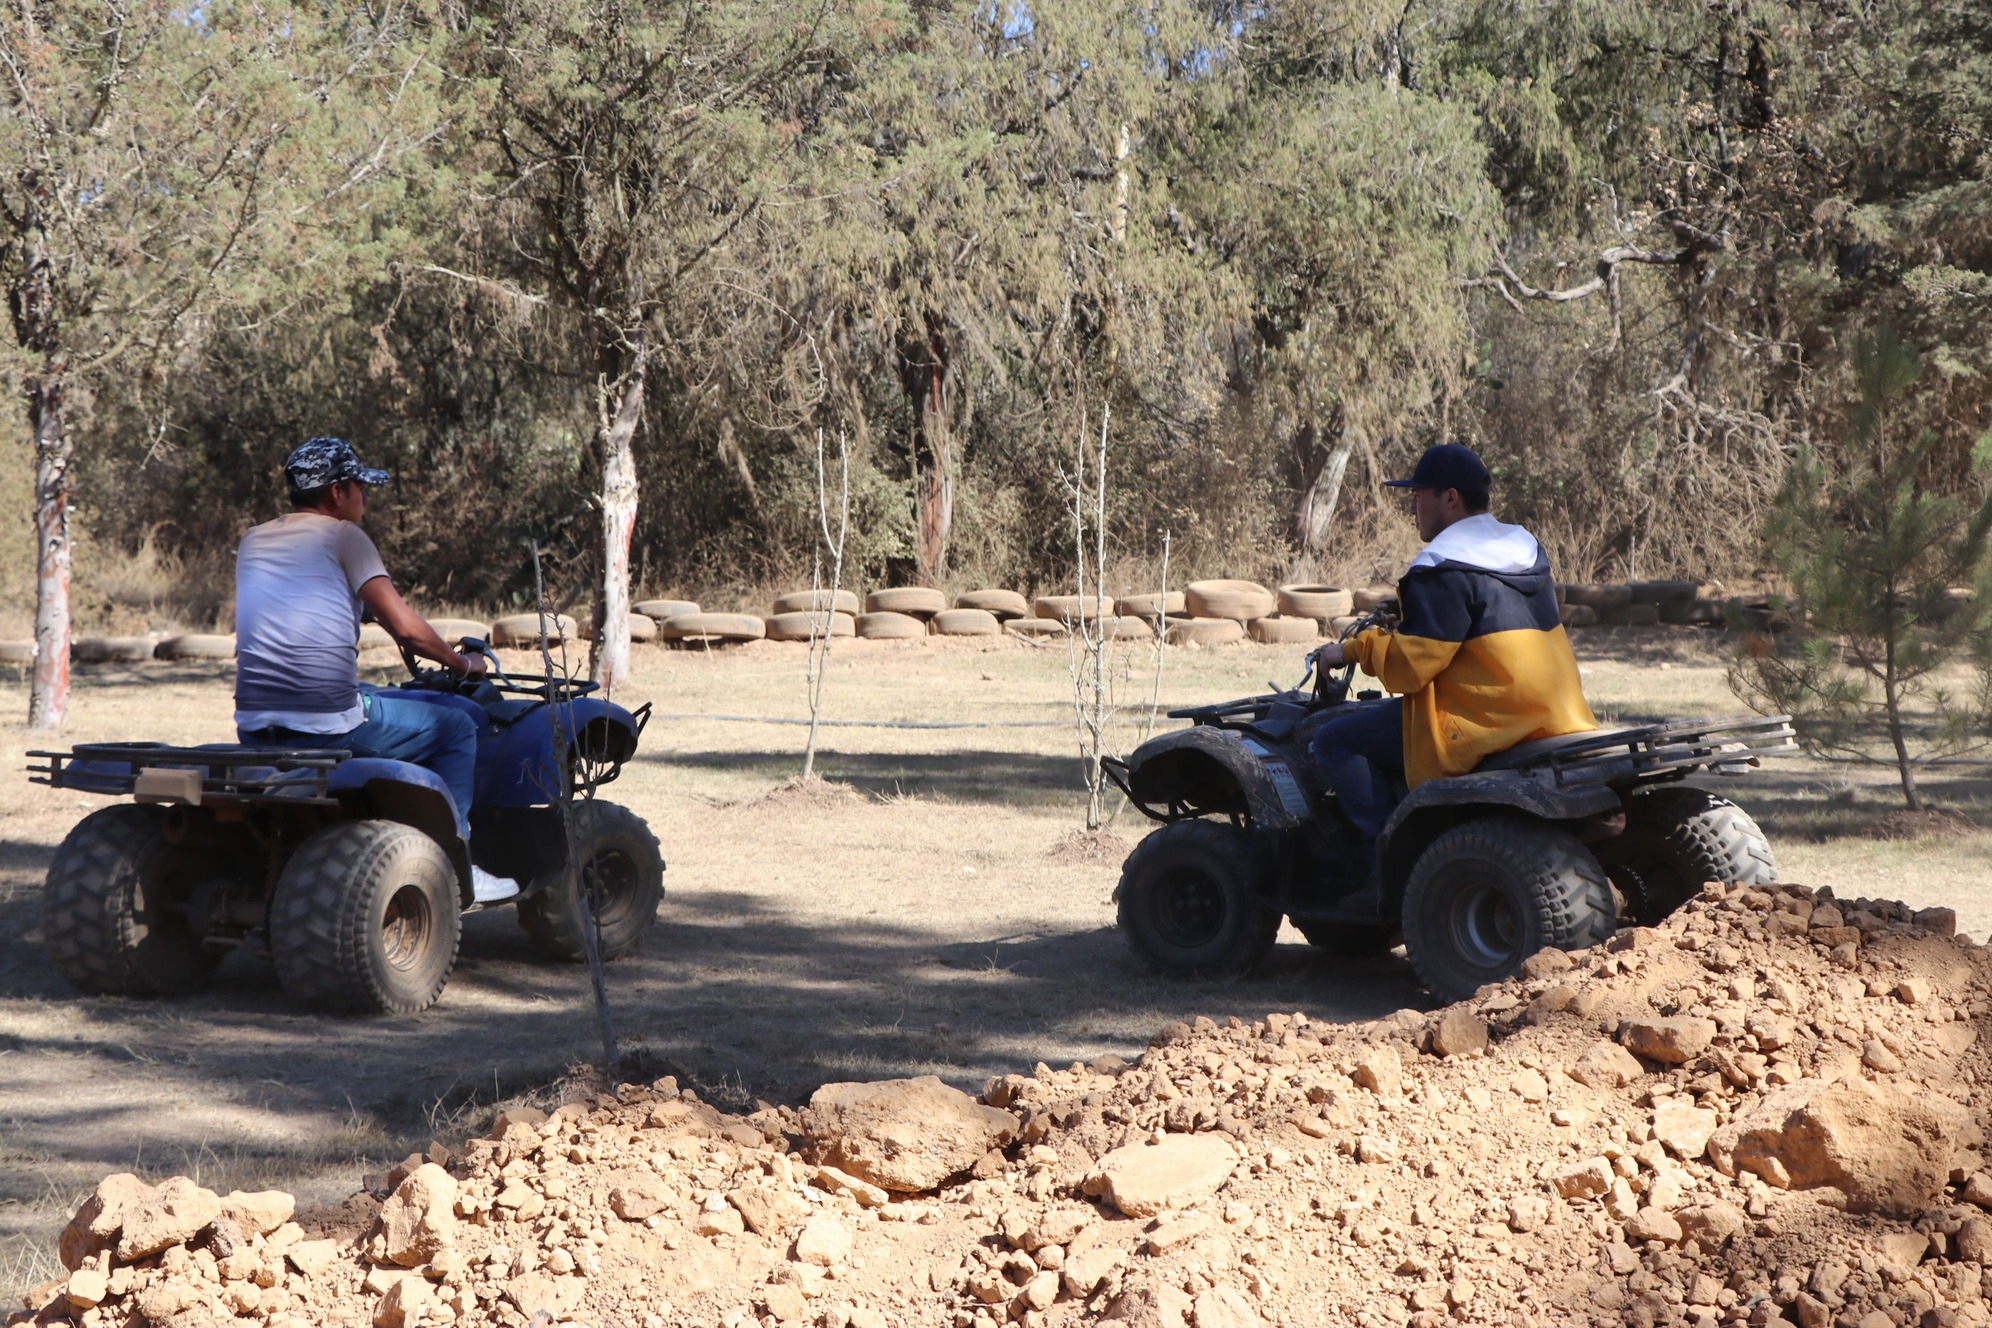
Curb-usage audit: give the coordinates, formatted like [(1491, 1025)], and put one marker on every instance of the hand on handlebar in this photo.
[(1328, 655)]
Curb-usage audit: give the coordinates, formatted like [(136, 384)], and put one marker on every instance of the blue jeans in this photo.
[(435, 737), (1360, 754)]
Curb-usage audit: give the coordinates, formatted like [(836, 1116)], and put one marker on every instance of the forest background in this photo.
[(529, 253)]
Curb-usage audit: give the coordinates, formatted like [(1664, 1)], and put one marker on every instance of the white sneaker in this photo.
[(488, 889)]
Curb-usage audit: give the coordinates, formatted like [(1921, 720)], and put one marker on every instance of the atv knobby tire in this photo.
[(1486, 895), (1676, 838), (114, 907), (365, 918), (623, 872), (1347, 940), (1189, 904)]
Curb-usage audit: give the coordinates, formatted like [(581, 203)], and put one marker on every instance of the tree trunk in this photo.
[(924, 371), (48, 693), (619, 494), (1316, 515)]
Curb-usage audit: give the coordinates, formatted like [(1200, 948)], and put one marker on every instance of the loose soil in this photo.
[(932, 919)]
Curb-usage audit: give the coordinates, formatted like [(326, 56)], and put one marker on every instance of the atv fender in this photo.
[(1440, 804), (378, 788), (1207, 770), (520, 770)]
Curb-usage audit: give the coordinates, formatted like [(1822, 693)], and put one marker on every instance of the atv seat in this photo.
[(1538, 749)]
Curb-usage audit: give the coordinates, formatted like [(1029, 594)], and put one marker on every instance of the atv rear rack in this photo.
[(1617, 756), (212, 775)]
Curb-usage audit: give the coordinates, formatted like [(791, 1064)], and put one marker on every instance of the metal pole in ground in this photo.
[(564, 800)]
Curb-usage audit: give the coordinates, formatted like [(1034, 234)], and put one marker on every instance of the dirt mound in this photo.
[(1766, 1111)]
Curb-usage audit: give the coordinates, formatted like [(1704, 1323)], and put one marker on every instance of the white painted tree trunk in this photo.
[(48, 691), (1316, 517), (619, 495)]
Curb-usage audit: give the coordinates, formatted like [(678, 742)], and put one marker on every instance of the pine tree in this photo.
[(1891, 577)]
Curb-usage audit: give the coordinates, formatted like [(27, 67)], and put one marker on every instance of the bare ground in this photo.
[(937, 917)]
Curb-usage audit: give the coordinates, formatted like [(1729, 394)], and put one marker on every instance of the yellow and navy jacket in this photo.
[(1480, 657)]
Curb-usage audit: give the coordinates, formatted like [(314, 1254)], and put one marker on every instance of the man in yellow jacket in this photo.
[(1479, 662)]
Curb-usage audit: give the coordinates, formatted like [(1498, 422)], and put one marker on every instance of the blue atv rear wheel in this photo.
[(623, 875), (365, 918)]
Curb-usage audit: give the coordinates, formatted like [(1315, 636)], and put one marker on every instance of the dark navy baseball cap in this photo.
[(324, 461), (1447, 466)]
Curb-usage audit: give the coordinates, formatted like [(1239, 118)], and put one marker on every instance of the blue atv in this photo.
[(349, 872)]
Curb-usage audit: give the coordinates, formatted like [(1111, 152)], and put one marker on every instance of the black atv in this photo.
[(1555, 842)]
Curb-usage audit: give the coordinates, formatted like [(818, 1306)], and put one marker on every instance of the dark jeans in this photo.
[(1360, 754), (435, 737)]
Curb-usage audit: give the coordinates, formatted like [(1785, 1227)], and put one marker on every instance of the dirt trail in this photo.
[(1768, 1110)]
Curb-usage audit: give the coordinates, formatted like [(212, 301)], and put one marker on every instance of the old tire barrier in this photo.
[(816, 601), (1240, 601), (806, 626)]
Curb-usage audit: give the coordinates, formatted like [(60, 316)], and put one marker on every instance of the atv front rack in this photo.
[(1617, 756), (212, 775)]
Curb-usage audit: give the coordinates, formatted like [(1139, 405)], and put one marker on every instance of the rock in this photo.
[(720, 1222), (1174, 1231), (162, 1302), (1887, 1150), (418, 1221), (312, 1257), (1978, 1189), (906, 1135), (867, 1194), (1145, 1179), (1683, 1130), (100, 1218), (1942, 921), (1226, 1307), (171, 1215), (766, 1209), (536, 1293), (1974, 1240), (86, 1288), (258, 1212), (785, 1303), (1651, 1223), (1877, 1057), (1083, 1272), (1913, 991), (1587, 1179), (1151, 1305), (636, 1195), (1605, 1065), (1528, 1212), (1674, 1041), (1905, 1248), (1379, 1069), (1458, 1033), (1060, 1226), (1529, 1086), (1710, 1225), (1039, 1292), (825, 1241), (405, 1302), (1545, 963)]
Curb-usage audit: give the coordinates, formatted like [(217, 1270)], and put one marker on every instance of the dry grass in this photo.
[(924, 910)]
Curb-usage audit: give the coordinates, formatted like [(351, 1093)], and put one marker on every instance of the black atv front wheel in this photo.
[(1486, 895), (114, 907), (365, 918), (622, 873), (1190, 904), (1676, 838)]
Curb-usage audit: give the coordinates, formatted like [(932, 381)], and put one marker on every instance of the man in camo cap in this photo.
[(302, 583)]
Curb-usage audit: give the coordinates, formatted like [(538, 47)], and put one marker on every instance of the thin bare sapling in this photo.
[(823, 606)]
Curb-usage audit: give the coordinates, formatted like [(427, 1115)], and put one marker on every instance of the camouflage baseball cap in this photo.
[(323, 461)]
